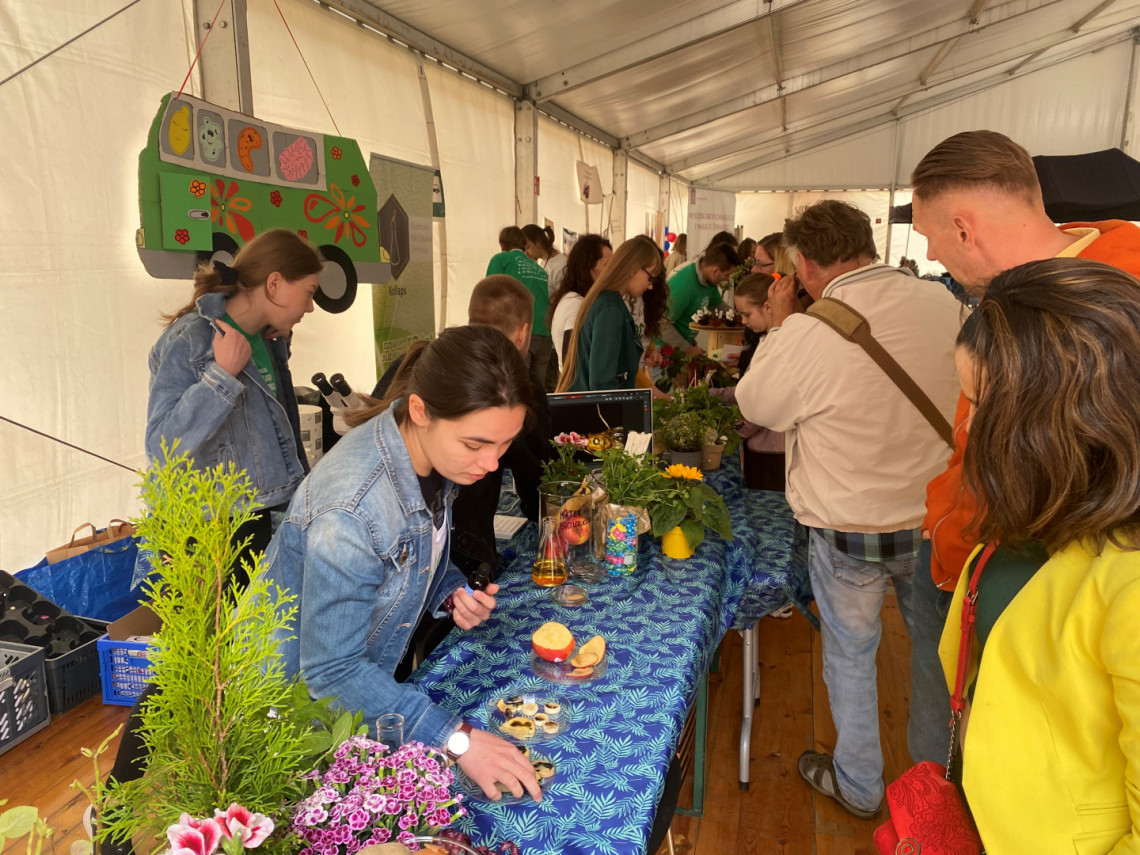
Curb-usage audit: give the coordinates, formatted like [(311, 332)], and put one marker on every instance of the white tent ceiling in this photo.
[(712, 90)]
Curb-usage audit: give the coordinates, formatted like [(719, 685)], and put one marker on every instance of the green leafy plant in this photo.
[(24, 821), (684, 432), (686, 501), (717, 417), (631, 480), (225, 724)]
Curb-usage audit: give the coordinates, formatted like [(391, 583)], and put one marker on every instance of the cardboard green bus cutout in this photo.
[(210, 179)]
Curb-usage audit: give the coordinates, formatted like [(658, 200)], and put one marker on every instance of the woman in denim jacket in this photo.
[(220, 382), (364, 543)]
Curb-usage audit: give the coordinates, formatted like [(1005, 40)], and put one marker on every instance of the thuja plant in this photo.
[(225, 724)]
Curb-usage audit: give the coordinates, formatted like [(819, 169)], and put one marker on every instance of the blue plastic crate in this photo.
[(124, 668)]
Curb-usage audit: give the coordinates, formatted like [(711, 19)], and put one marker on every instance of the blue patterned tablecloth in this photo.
[(662, 625)]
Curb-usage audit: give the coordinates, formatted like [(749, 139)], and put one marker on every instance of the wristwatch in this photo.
[(458, 742)]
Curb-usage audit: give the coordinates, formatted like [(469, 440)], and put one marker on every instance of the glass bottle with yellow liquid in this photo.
[(550, 563)]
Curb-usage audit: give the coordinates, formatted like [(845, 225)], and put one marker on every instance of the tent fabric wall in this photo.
[(678, 205), (80, 313), (763, 213), (475, 129), (643, 193), (559, 150), (336, 51)]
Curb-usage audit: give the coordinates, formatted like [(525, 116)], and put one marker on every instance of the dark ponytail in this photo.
[(464, 370), (540, 236)]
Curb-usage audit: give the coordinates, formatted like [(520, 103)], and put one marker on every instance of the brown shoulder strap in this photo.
[(854, 327)]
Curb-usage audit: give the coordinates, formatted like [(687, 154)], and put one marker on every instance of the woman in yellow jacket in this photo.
[(1051, 752)]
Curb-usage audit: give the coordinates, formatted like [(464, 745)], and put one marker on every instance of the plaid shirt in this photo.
[(876, 548)]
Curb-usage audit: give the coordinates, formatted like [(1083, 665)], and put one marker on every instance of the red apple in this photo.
[(575, 529), (552, 642)]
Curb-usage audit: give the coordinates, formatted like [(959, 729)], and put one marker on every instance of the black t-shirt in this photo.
[(432, 488)]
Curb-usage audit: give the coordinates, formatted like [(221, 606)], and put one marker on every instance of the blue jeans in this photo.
[(849, 593)]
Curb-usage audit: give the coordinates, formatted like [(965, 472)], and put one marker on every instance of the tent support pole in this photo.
[(1128, 126), (526, 163), (621, 192), (224, 64), (894, 186)]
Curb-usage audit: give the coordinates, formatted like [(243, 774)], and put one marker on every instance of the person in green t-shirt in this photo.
[(694, 287), (604, 349), (514, 262)]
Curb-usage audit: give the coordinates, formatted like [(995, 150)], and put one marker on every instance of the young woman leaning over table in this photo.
[(1051, 747), (364, 544), (605, 348)]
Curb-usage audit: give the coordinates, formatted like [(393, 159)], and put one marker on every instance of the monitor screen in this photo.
[(591, 412)]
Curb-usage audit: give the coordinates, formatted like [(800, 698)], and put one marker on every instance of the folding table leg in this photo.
[(749, 702)]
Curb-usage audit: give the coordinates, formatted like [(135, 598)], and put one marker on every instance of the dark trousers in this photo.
[(763, 470)]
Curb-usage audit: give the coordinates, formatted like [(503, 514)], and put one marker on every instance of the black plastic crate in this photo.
[(23, 693), (73, 677)]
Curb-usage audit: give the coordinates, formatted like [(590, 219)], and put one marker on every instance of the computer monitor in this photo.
[(591, 412)]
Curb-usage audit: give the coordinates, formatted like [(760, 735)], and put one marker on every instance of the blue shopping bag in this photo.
[(95, 583)]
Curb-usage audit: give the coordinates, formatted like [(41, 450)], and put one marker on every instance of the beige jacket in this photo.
[(859, 453)]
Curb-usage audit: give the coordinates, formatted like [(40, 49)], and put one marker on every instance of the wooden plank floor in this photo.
[(779, 814)]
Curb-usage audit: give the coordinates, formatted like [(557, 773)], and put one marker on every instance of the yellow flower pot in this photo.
[(675, 544)]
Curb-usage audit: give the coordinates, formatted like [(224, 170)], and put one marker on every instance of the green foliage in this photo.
[(638, 481), (684, 432), (631, 480), (24, 821), (691, 504), (717, 417), (679, 371), (565, 466), (226, 724)]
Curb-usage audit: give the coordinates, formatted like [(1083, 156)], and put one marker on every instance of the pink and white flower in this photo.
[(250, 828), (191, 836)]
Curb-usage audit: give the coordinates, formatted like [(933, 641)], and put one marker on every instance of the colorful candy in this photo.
[(621, 544)]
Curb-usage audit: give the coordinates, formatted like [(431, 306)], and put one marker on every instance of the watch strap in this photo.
[(464, 727)]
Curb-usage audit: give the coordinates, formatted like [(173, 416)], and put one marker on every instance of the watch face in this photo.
[(458, 743)]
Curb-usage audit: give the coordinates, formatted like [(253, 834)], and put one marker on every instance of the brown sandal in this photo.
[(819, 771)]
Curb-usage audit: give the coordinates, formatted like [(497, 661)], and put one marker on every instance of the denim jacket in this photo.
[(219, 418), (355, 549)]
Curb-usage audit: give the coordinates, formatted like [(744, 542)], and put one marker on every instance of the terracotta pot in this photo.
[(675, 545), (711, 456)]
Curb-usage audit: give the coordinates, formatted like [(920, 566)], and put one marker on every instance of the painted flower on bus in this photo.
[(227, 209), (337, 212)]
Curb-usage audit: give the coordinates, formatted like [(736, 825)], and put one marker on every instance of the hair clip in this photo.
[(227, 274)]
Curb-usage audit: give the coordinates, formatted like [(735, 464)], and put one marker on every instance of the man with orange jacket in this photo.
[(978, 202)]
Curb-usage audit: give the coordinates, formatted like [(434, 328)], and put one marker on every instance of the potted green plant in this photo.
[(684, 435), (683, 507), (226, 724)]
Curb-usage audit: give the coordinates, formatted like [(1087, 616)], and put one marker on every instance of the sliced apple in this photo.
[(585, 660), (582, 673), (552, 642), (596, 646)]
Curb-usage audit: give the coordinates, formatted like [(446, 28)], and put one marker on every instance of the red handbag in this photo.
[(928, 814)]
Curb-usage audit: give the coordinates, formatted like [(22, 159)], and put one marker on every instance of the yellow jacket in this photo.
[(1051, 761)]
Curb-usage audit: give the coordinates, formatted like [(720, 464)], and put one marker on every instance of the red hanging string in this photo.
[(190, 70), (306, 64)]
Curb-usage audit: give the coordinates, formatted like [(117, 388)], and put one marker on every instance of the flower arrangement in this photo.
[(686, 501), (368, 795), (706, 317), (235, 828), (679, 370)]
